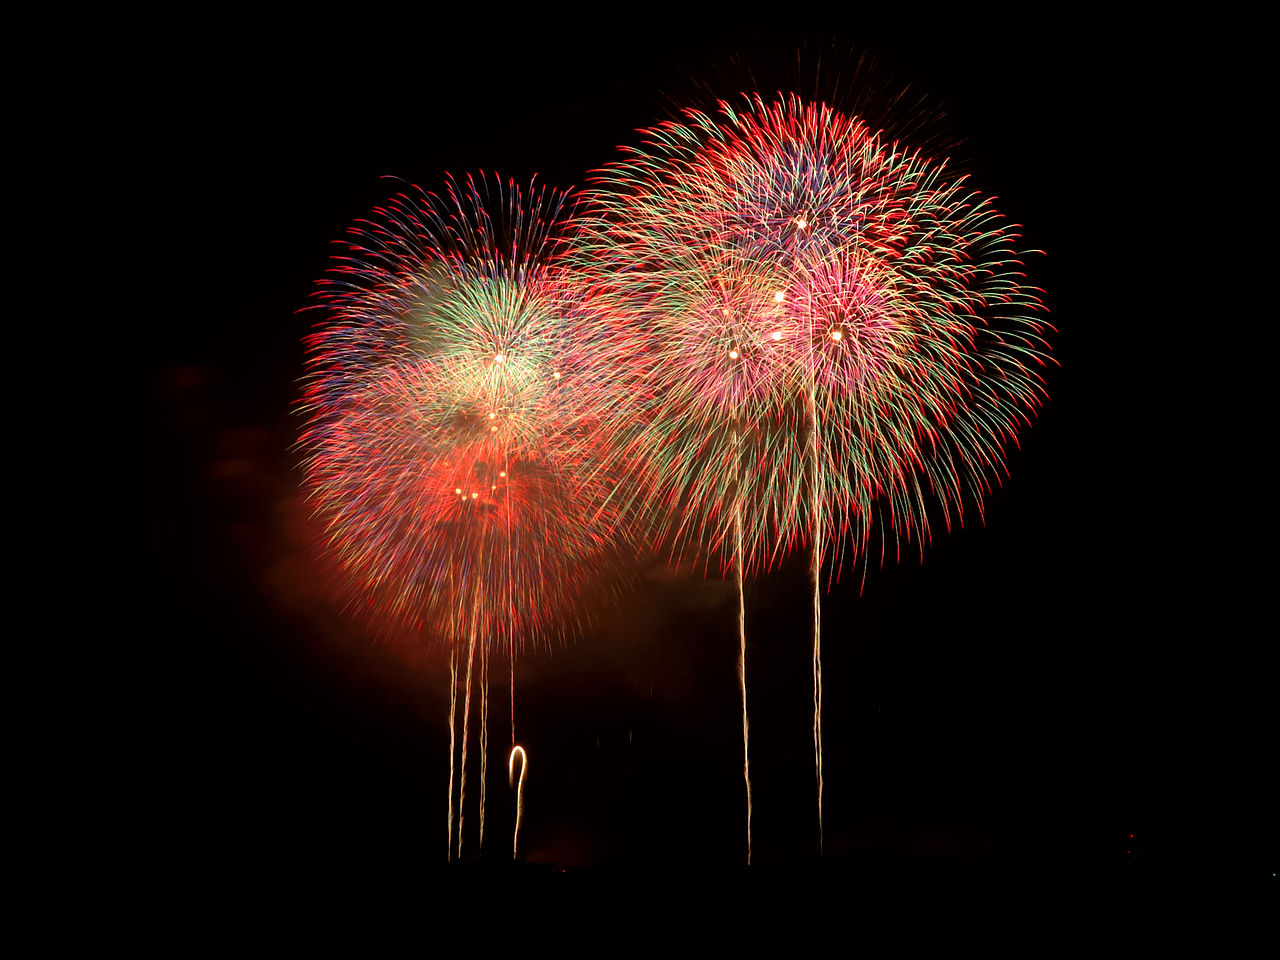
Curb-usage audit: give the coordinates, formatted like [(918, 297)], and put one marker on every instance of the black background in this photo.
[(1042, 686)]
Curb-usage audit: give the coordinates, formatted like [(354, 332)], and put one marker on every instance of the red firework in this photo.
[(450, 439), (820, 329)]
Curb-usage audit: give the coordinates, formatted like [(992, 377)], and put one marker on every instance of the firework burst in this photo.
[(448, 443), (815, 328)]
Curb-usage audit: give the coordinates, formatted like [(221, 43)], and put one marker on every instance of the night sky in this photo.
[(1026, 698)]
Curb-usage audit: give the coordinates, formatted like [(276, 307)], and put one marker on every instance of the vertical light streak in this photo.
[(511, 776), (511, 636), (815, 568), (453, 715), (466, 730), (742, 662), (484, 732), (815, 561)]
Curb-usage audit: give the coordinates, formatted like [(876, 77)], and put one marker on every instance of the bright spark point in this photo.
[(779, 296), (474, 495), (457, 490), (801, 222), (776, 335), (502, 473), (836, 335), (733, 354), (499, 358), (493, 416)]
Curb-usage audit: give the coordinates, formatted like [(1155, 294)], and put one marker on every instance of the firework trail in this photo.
[(449, 440), (742, 665), (453, 715), (466, 732), (816, 328), (484, 733), (516, 749)]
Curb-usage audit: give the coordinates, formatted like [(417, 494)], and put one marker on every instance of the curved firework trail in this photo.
[(815, 328), (511, 782), (450, 445)]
